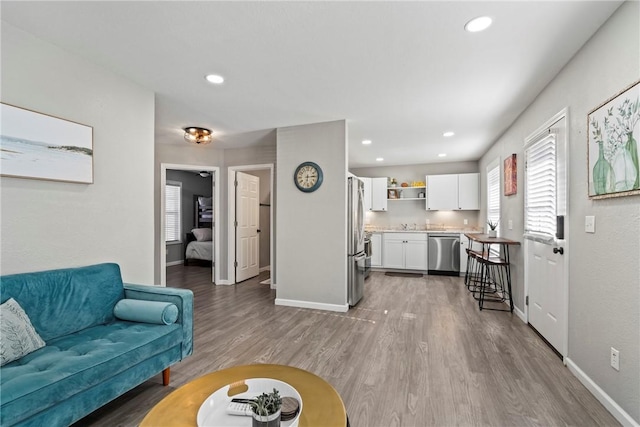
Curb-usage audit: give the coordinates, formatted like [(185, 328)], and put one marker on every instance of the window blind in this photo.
[(540, 187), (173, 199), (493, 194)]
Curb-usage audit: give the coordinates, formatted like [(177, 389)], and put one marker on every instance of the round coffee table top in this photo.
[(321, 405)]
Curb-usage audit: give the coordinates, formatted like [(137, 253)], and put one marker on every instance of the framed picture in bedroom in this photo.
[(39, 146)]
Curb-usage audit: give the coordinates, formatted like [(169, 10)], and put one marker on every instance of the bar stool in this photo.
[(495, 282)]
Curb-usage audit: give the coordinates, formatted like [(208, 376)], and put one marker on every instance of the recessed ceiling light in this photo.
[(478, 24), (448, 134), (442, 155), (379, 159), (214, 78), (366, 142)]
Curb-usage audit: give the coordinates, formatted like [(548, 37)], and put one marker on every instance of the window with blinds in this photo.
[(173, 199), (493, 192), (540, 208)]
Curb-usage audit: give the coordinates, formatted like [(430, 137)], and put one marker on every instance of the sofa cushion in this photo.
[(17, 336), (135, 310), (60, 302), (77, 362)]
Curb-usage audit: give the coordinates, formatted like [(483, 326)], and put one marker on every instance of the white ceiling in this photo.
[(401, 73)]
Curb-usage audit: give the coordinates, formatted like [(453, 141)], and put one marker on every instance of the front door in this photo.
[(247, 226), (546, 280)]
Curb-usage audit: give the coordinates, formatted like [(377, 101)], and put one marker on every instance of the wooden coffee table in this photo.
[(321, 403)]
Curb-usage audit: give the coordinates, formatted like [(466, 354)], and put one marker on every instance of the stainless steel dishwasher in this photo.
[(444, 254)]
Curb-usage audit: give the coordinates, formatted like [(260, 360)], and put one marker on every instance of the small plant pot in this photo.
[(272, 420), (493, 233)]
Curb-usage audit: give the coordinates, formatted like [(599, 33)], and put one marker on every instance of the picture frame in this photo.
[(35, 145), (613, 131), (393, 194), (510, 175)]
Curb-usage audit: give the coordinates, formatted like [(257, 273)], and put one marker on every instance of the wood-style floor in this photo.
[(414, 352)]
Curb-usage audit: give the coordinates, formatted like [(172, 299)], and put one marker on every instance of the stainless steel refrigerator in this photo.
[(356, 256)]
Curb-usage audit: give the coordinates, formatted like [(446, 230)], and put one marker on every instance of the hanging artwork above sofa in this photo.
[(613, 130), (39, 146)]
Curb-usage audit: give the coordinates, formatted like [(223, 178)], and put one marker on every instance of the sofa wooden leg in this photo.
[(166, 374)]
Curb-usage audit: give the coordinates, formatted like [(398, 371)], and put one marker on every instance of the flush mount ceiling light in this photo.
[(478, 24), (197, 135), (366, 142), (204, 174), (448, 134), (214, 78), (379, 159), (442, 155)]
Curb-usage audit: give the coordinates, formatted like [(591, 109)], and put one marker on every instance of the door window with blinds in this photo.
[(173, 214), (493, 192), (540, 204)]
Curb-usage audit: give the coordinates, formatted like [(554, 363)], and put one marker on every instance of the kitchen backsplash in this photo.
[(413, 212)]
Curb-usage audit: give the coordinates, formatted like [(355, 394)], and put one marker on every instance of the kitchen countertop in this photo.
[(428, 231)]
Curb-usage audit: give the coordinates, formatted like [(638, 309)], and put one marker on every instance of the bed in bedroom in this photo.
[(198, 242)]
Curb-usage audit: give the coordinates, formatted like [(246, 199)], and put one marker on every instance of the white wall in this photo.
[(312, 228), (48, 225), (604, 272)]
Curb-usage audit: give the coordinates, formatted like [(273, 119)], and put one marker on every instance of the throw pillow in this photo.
[(133, 310), (202, 234), (17, 335)]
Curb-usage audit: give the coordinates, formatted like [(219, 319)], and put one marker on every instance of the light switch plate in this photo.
[(466, 221), (590, 224), (510, 224)]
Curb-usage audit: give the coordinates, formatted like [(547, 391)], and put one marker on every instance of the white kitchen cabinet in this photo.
[(453, 192), (379, 194), (405, 251), (469, 191), (367, 193), (464, 244), (376, 250)]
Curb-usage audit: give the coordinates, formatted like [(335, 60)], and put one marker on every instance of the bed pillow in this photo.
[(202, 234), (158, 312), (17, 335)]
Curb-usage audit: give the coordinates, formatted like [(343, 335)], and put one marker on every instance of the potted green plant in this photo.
[(266, 409), (492, 228)]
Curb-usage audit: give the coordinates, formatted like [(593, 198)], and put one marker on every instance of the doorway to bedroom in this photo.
[(189, 218)]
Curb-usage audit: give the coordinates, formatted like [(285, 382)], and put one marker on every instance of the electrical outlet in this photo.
[(510, 224), (590, 224), (466, 221), (615, 359)]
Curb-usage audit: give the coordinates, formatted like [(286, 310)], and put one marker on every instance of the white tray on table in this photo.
[(213, 412)]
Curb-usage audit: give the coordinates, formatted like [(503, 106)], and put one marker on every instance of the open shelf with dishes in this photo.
[(417, 192)]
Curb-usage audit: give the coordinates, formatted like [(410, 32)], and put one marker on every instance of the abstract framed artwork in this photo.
[(39, 146), (613, 130), (510, 175)]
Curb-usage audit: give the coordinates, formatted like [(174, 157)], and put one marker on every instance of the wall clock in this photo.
[(308, 177)]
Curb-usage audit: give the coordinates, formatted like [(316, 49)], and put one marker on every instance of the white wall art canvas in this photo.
[(613, 131), (38, 146)]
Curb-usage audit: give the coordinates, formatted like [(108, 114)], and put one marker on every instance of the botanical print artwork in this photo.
[(34, 145), (613, 132)]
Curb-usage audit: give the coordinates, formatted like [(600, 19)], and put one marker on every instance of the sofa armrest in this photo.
[(182, 298)]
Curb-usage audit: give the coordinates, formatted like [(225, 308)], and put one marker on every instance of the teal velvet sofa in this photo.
[(91, 357)]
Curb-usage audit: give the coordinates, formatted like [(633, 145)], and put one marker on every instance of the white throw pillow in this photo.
[(202, 234), (17, 335)]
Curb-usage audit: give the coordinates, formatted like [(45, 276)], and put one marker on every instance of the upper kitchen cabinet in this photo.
[(378, 194), (367, 193), (453, 192)]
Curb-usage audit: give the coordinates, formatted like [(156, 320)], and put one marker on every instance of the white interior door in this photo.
[(546, 278), (247, 226)]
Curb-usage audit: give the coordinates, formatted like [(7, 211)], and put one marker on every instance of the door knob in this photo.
[(558, 251)]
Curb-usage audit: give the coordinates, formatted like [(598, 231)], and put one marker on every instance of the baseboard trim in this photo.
[(312, 305), (266, 268), (619, 414), (273, 285), (169, 264), (520, 314), (224, 282)]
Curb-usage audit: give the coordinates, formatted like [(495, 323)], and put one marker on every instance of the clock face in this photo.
[(308, 177)]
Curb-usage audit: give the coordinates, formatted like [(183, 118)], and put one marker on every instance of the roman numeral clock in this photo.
[(308, 177)]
